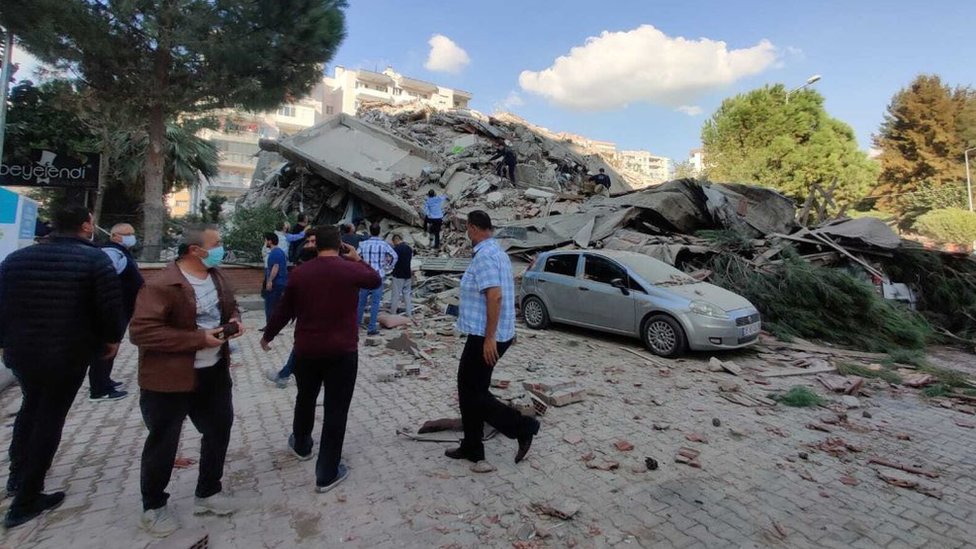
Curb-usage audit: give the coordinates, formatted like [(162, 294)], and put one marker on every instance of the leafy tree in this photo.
[(244, 233), (157, 60), (685, 170), (925, 130), (792, 146), (54, 115), (37, 119), (214, 207), (952, 225)]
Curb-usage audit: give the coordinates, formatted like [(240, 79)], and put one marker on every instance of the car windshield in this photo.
[(656, 272)]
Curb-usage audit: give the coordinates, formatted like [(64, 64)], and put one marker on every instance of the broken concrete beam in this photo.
[(350, 153)]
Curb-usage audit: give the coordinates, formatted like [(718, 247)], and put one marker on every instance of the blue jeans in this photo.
[(271, 300), (285, 372), (374, 307)]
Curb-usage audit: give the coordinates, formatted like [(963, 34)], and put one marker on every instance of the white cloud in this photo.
[(445, 55), (690, 110), (616, 69)]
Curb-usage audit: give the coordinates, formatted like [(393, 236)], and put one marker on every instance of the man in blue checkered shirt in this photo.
[(487, 317), (381, 257)]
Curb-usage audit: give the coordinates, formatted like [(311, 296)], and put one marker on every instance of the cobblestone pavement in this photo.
[(753, 489)]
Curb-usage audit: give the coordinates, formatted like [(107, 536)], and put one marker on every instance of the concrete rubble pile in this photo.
[(380, 166)]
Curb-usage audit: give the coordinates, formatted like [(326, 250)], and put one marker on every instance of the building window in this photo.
[(397, 91), (329, 109), (182, 203), (287, 110)]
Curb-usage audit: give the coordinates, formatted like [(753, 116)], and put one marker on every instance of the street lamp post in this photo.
[(969, 179), (809, 82)]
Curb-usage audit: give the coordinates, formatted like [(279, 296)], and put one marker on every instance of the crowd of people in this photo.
[(65, 305)]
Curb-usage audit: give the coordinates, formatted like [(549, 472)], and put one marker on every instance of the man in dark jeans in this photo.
[(275, 274), (434, 215), (53, 323), (487, 316), (123, 238), (184, 317), (323, 296), (508, 160)]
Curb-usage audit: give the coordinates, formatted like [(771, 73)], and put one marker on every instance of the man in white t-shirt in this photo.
[(183, 319)]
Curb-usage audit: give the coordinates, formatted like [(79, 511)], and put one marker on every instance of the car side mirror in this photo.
[(621, 284)]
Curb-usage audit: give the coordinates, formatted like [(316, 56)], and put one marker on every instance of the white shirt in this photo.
[(208, 316)]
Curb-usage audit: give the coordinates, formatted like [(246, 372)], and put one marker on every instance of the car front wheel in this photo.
[(535, 313), (663, 336)]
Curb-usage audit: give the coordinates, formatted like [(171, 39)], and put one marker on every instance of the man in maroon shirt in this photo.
[(322, 294)]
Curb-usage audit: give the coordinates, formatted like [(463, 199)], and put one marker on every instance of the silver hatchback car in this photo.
[(636, 295)]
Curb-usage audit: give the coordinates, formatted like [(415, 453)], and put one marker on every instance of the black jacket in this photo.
[(130, 279), (60, 303)]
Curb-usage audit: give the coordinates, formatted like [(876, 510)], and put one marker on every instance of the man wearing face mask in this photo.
[(60, 307), (102, 387), (184, 317)]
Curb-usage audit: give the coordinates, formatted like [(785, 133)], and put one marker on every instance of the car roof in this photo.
[(650, 269)]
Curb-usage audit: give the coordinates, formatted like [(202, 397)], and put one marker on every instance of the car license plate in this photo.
[(751, 330)]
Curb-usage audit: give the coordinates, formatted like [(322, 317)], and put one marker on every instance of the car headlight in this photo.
[(707, 309)]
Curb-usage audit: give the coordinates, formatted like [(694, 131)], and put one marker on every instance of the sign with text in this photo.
[(46, 168)]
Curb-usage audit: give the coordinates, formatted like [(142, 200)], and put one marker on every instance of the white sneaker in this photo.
[(218, 504), (160, 522)]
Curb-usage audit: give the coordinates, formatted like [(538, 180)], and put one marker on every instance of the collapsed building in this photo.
[(380, 165)]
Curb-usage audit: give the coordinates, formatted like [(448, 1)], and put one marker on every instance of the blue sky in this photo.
[(865, 50)]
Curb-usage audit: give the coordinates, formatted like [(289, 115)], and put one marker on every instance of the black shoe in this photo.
[(116, 384), (461, 453), (12, 487), (114, 394), (525, 442), (45, 502), (302, 456)]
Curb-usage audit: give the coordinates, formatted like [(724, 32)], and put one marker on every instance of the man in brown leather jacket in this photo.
[(179, 327)]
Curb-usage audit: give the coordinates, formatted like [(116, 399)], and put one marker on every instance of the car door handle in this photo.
[(584, 289)]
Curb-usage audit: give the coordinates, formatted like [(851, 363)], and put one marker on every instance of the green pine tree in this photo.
[(921, 145), (156, 60)]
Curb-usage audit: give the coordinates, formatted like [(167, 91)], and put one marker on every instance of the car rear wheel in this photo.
[(535, 313), (663, 336)]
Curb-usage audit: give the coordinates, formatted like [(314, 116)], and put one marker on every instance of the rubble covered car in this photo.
[(633, 294)]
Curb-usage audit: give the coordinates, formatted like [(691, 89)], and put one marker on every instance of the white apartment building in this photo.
[(236, 138), (347, 89), (696, 157), (657, 169)]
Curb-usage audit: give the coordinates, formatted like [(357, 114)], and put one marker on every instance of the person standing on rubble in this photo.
[(487, 317), (321, 296), (381, 257), (508, 160), (601, 183), (402, 277), (434, 215)]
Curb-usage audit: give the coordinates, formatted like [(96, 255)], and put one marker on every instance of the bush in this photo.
[(799, 397), (951, 225), (244, 232)]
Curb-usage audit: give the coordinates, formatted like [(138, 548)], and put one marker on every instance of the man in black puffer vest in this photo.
[(102, 387), (60, 307)]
